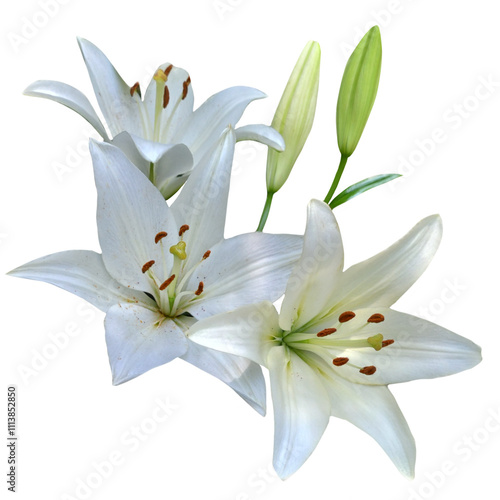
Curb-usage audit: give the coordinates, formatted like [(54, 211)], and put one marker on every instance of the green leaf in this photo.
[(361, 187)]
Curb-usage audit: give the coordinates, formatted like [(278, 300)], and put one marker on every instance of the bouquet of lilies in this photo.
[(172, 287)]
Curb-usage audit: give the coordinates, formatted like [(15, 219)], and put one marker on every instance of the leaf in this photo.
[(361, 187)]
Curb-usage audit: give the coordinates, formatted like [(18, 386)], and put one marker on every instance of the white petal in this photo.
[(121, 111), (139, 339), (263, 134), (384, 278), (81, 272), (171, 160), (301, 409), (245, 269), (421, 349), (318, 272), (249, 331), (221, 110), (202, 203), (70, 97), (374, 410), (242, 375), (130, 213), (178, 111)]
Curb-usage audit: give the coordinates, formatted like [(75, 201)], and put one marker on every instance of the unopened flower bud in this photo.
[(358, 91), (294, 116)]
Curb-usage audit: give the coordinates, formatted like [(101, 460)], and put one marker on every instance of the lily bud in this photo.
[(294, 116), (358, 91)]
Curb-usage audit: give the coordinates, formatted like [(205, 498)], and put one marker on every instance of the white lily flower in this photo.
[(161, 134), (336, 344), (163, 268)]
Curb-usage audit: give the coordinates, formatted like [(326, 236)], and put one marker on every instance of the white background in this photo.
[(212, 446)]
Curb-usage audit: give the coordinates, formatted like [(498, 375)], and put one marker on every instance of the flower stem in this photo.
[(338, 175), (265, 212)]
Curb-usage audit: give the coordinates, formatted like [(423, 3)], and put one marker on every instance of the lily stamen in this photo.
[(166, 97), (376, 318), (340, 361), (160, 236), (147, 266), (167, 282), (387, 342), (135, 88), (183, 229), (185, 86), (368, 370), (346, 316), (199, 291), (325, 332)]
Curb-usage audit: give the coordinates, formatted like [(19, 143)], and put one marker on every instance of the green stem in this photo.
[(265, 212), (338, 175)]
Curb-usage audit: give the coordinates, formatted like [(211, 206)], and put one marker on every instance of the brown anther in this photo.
[(340, 361), (146, 266), (185, 86), (159, 236), (368, 370), (168, 69), (206, 255), (167, 282), (346, 316), (325, 332), (387, 342), (183, 229), (166, 97), (376, 318), (200, 289), (135, 88)]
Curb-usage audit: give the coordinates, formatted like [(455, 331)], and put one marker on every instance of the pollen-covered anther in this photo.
[(185, 86), (167, 282), (368, 370), (206, 255), (147, 266), (325, 332), (160, 236), (166, 97), (200, 289), (376, 318), (346, 316), (183, 229), (168, 69), (387, 342), (340, 361), (135, 88)]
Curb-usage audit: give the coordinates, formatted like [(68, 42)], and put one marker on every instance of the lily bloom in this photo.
[(336, 344), (160, 134), (162, 268)]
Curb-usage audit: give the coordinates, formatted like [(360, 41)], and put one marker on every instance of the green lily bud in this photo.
[(294, 116), (358, 91)]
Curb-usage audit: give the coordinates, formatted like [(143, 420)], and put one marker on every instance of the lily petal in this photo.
[(121, 110), (261, 133), (242, 375), (421, 350), (82, 273), (375, 411), (384, 278), (130, 213), (170, 160), (244, 269), (139, 339), (68, 96), (249, 331), (202, 203), (213, 116), (318, 271), (301, 409)]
